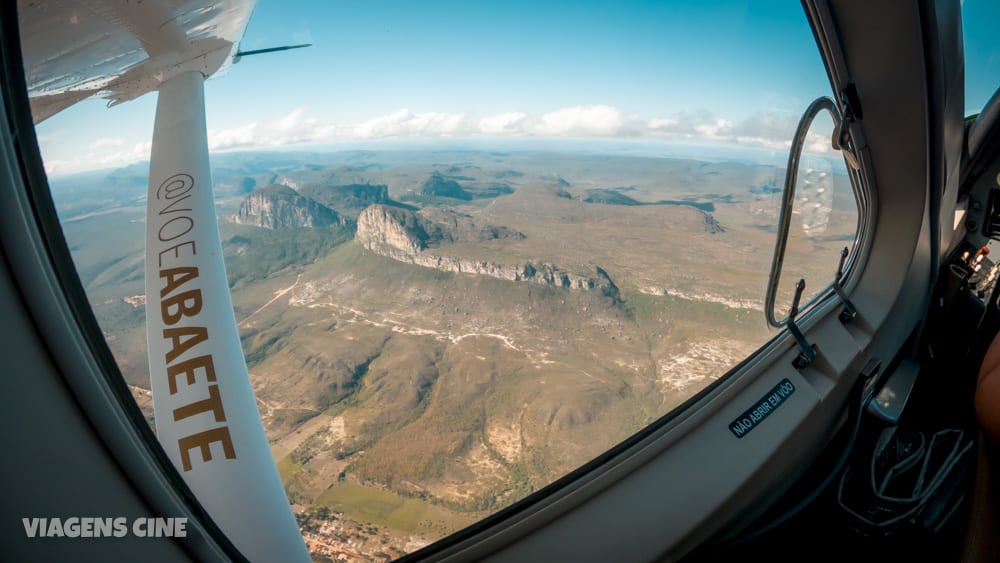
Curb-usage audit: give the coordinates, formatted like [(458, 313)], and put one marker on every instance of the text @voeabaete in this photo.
[(94, 527)]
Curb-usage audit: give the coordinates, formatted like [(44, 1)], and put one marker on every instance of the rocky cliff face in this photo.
[(281, 207), (403, 235), (542, 273), (712, 226), (391, 231)]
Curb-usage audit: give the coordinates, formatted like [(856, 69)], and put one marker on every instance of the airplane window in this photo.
[(824, 218), (982, 53), (472, 247)]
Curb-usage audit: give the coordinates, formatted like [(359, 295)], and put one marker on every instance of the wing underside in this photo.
[(120, 50)]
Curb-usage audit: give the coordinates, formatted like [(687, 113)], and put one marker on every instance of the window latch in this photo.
[(850, 111), (808, 353), (849, 312)]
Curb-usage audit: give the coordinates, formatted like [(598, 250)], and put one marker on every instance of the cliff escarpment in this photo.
[(412, 237)]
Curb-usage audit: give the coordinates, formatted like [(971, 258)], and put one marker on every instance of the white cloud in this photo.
[(817, 144), (772, 130), (718, 129), (107, 142), (582, 121), (405, 123), (664, 123), (769, 130), (232, 138), (100, 156), (509, 123)]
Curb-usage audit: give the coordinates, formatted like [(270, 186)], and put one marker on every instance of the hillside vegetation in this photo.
[(432, 336)]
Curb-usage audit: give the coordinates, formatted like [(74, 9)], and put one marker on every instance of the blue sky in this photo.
[(982, 52), (731, 72)]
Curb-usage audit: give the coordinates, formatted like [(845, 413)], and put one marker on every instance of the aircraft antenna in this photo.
[(240, 54)]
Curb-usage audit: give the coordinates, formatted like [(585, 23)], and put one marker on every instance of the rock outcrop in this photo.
[(349, 200), (445, 225), (441, 186), (712, 226), (391, 231), (407, 237), (438, 185), (281, 207)]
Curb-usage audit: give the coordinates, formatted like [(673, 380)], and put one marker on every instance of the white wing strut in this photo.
[(206, 415)]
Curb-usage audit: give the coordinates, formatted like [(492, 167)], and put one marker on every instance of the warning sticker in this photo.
[(762, 409)]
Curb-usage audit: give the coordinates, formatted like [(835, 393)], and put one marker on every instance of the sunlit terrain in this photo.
[(434, 335)]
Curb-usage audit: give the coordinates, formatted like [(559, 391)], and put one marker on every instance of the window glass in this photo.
[(982, 52), (824, 218), (471, 246)]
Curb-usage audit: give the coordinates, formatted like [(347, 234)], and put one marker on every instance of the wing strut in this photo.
[(206, 415)]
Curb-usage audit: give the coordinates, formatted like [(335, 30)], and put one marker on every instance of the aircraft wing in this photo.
[(119, 50)]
